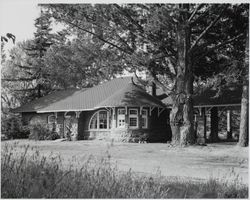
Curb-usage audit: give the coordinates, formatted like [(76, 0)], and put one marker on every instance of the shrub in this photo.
[(39, 131), (27, 175), (12, 127)]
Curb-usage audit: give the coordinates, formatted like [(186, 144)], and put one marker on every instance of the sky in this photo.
[(17, 17)]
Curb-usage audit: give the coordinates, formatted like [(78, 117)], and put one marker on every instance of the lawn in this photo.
[(223, 161)]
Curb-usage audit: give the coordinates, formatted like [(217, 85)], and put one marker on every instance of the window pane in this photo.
[(93, 123), (103, 119), (121, 123), (133, 112), (144, 112), (121, 111), (133, 121)]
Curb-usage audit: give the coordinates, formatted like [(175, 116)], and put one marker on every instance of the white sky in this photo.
[(17, 17)]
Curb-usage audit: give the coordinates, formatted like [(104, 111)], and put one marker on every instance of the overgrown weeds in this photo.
[(27, 174)]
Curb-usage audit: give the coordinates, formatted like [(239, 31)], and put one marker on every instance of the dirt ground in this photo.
[(224, 161)]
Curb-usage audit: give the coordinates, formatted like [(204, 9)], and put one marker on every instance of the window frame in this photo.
[(98, 121), (133, 116), (145, 116), (49, 121), (121, 115)]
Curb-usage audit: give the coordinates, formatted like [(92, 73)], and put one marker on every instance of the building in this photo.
[(118, 110)]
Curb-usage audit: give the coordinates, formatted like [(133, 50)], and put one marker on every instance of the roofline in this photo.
[(48, 111), (75, 110), (129, 106), (212, 105), (218, 105)]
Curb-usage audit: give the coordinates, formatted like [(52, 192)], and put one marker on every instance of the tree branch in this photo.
[(194, 12), (23, 67), (207, 29), (160, 84), (97, 36), (218, 46), (20, 79), (129, 17)]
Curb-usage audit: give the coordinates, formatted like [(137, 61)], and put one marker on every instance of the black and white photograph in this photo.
[(124, 100)]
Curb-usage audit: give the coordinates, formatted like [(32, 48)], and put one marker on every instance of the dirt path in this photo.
[(223, 161)]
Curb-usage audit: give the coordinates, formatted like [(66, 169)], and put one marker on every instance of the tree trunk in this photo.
[(243, 137), (181, 116), (214, 125)]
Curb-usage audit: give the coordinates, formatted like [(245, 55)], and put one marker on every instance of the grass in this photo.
[(27, 174)]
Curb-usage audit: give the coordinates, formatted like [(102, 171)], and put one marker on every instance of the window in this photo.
[(100, 120), (133, 118), (51, 119), (103, 120), (144, 118), (121, 118), (93, 122)]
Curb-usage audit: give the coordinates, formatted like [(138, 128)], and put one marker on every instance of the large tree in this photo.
[(176, 43), (244, 122)]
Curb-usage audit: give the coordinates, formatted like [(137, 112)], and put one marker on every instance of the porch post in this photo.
[(56, 127), (214, 125), (75, 128), (126, 117), (113, 118), (229, 127), (204, 123)]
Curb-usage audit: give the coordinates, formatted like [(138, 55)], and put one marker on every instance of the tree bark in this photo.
[(214, 125), (181, 116), (243, 137)]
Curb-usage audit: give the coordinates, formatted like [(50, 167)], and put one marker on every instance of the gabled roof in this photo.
[(89, 99), (46, 101), (130, 95), (230, 96)]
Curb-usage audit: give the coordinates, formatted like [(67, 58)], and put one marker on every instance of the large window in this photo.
[(144, 118), (100, 120), (133, 118), (121, 118)]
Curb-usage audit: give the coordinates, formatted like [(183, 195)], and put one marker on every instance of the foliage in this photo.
[(30, 175), (146, 33), (176, 43), (12, 128), (79, 63), (39, 131), (5, 39)]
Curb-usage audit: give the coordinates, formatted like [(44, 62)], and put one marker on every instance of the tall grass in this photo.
[(27, 174)]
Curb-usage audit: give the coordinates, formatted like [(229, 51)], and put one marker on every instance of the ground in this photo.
[(224, 161)]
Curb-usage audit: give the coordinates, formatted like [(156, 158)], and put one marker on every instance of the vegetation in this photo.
[(178, 44), (39, 131), (26, 174)]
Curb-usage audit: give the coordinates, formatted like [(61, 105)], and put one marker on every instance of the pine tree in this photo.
[(36, 51)]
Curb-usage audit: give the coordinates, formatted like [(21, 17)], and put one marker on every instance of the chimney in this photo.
[(153, 89)]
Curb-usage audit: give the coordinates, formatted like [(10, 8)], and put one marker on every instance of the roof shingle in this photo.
[(103, 94)]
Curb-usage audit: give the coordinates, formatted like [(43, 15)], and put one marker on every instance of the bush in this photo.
[(27, 175), (39, 131), (12, 127)]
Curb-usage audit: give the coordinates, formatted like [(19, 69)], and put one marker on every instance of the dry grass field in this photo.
[(222, 161)]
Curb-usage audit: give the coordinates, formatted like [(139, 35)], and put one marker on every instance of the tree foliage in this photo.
[(177, 43)]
